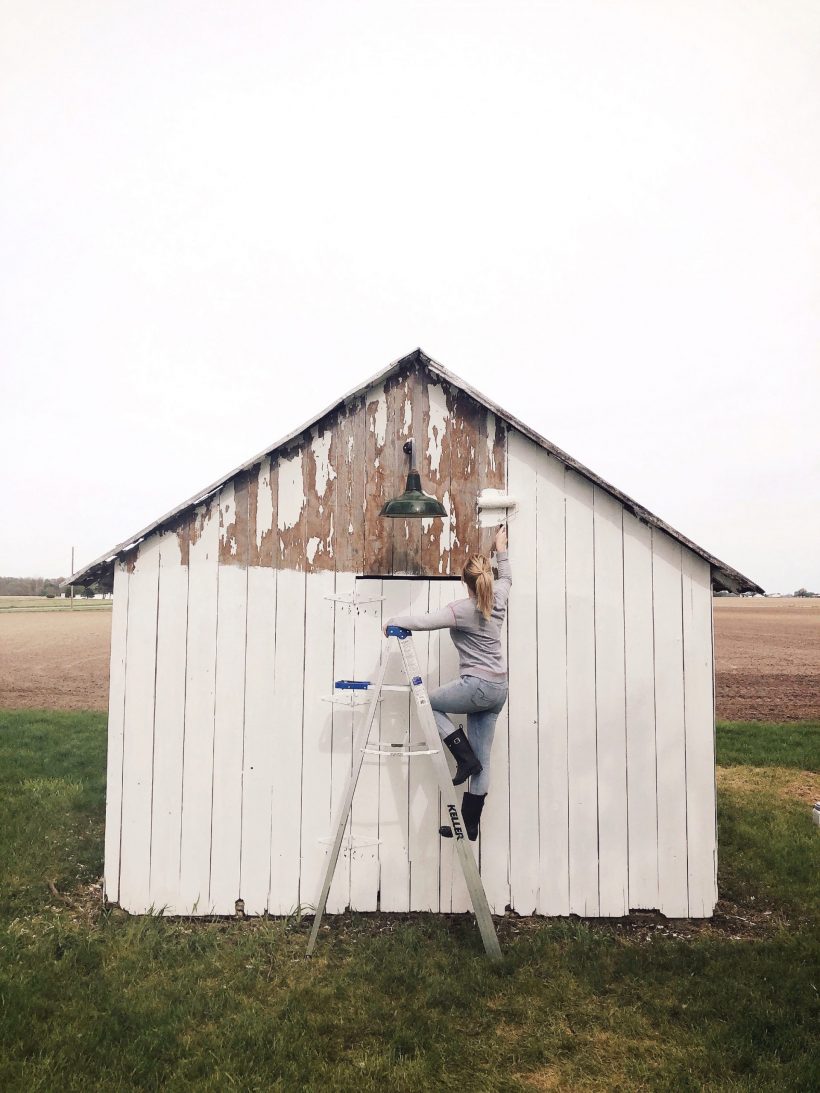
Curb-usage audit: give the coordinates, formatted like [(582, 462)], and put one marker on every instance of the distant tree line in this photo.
[(43, 586), (30, 586)]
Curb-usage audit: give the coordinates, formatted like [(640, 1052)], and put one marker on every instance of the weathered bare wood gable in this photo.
[(315, 504)]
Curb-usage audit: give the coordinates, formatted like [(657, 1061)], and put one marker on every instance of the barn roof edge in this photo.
[(724, 577)]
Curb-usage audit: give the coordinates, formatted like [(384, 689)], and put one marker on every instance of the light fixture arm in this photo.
[(409, 447)]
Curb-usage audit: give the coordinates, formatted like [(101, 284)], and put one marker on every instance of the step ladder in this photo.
[(433, 749)]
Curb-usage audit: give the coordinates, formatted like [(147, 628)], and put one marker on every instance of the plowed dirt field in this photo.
[(767, 659)]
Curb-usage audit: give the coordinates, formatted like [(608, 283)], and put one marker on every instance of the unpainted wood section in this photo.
[(317, 733), (411, 421), (263, 496), (138, 735), (286, 742), (492, 440), (379, 454), (670, 731), (434, 447), (259, 760), (467, 423), (344, 721), (613, 880), (182, 528), (349, 485), (291, 503), (639, 670), (394, 462), (701, 835), (423, 790), (553, 774), (200, 673), (116, 722), (581, 714), (233, 521), (394, 858), (406, 534), (522, 626), (321, 457), (364, 865), (169, 725)]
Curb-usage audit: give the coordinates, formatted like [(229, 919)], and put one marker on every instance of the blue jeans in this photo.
[(482, 702)]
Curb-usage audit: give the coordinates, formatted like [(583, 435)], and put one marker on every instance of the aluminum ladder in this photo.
[(481, 908)]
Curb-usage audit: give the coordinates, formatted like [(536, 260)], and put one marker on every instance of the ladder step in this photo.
[(350, 699), (390, 750), (352, 842), (365, 685)]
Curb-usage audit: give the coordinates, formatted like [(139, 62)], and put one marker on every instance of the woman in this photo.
[(481, 691)]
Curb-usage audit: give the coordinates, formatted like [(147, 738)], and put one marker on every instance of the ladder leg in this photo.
[(468, 864), (347, 801)]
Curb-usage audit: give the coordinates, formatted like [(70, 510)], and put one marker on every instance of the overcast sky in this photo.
[(215, 218)]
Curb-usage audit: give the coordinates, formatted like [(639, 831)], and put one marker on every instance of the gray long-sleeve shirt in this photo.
[(478, 640)]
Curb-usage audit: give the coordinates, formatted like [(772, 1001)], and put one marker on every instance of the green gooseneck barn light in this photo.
[(414, 503)]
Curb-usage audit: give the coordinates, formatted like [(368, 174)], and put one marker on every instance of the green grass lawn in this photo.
[(93, 999)]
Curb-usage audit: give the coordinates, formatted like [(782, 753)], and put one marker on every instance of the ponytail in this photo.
[(478, 576)]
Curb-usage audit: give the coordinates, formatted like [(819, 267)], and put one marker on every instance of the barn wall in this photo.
[(226, 764)]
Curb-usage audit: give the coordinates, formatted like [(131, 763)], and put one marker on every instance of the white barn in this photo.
[(226, 762)]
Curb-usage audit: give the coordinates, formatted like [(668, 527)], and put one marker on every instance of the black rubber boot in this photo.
[(471, 806), (465, 757)]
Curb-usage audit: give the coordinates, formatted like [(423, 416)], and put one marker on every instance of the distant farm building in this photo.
[(234, 614)]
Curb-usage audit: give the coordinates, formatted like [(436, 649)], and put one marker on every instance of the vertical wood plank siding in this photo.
[(226, 765), (169, 724), (522, 703), (699, 712), (116, 724), (138, 729), (553, 771)]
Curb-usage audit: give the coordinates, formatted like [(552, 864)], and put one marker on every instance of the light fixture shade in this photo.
[(414, 503)]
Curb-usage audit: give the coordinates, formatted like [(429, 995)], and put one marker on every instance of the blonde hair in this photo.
[(478, 576)]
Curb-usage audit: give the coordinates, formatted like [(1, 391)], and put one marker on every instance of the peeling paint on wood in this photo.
[(434, 465), (466, 425), (320, 488), (491, 469), (437, 417), (171, 548), (325, 471), (264, 537), (182, 530), (378, 534), (350, 486), (291, 491), (233, 522), (291, 504), (396, 463), (317, 506)]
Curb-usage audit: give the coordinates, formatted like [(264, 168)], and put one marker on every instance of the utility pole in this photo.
[(72, 574)]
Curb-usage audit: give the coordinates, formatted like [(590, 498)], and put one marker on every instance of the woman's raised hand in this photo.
[(501, 538)]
